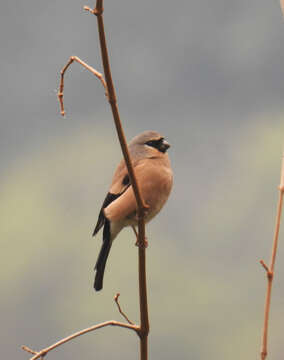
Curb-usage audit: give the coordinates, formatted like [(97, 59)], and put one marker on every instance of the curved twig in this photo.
[(62, 73), (43, 352)]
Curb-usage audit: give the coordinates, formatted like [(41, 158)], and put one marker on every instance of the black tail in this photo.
[(103, 255)]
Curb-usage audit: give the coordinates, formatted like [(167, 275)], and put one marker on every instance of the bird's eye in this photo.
[(151, 143), (154, 143)]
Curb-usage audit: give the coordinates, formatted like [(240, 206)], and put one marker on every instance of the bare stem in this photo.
[(43, 352), (270, 270)]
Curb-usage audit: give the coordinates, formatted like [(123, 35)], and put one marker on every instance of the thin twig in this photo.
[(62, 73), (266, 268), (27, 349), (43, 352), (120, 310), (270, 270)]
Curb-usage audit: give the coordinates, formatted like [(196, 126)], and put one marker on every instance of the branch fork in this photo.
[(42, 353), (269, 273)]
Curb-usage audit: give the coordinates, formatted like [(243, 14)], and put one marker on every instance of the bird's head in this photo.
[(148, 144)]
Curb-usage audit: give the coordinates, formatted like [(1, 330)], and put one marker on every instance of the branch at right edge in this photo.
[(270, 269)]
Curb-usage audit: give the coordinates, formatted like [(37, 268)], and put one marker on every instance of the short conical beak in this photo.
[(165, 146)]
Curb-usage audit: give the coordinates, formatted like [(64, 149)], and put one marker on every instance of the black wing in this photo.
[(101, 219), (109, 199)]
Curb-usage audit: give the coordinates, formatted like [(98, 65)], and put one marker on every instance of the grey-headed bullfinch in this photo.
[(148, 152)]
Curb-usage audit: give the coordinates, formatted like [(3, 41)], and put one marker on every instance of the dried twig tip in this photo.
[(87, 8), (264, 265), (60, 98), (120, 310), (94, 11), (27, 349)]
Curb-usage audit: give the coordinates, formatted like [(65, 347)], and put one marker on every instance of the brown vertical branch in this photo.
[(141, 206), (144, 318), (270, 270)]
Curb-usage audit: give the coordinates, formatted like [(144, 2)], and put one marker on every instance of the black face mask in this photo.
[(159, 144)]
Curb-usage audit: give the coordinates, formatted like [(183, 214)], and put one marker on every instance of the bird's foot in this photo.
[(145, 242), (143, 245)]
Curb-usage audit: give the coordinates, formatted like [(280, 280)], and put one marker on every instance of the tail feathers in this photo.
[(103, 255)]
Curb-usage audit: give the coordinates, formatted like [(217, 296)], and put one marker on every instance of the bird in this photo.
[(152, 168)]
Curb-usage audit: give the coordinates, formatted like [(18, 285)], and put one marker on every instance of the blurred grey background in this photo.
[(209, 76)]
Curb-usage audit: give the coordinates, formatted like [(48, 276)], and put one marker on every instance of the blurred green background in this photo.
[(209, 76)]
